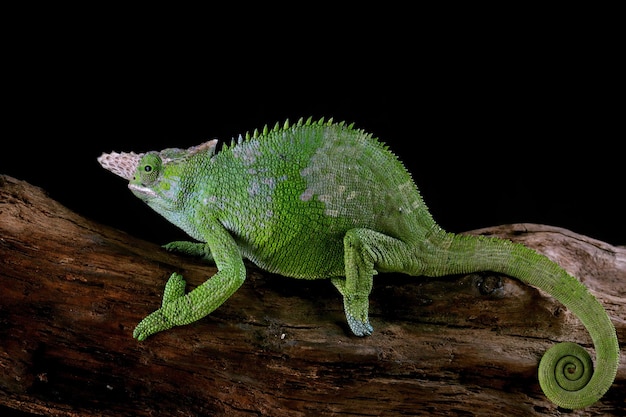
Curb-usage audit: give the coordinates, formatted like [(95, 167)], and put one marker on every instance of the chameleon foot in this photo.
[(189, 248), (175, 288), (356, 309), (162, 318), (154, 323), (359, 328)]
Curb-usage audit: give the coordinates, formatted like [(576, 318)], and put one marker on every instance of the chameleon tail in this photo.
[(566, 373)]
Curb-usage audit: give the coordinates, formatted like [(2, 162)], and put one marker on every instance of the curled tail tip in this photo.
[(567, 376)]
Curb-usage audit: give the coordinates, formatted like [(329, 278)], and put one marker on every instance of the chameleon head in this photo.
[(152, 176)]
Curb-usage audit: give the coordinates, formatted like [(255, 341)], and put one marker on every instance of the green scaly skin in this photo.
[(322, 200)]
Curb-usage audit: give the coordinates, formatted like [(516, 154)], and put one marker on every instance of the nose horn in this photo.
[(121, 164)]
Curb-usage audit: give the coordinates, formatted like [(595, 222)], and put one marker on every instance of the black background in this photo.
[(502, 114), (499, 119)]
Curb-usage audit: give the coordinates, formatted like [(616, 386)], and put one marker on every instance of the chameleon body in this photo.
[(323, 200)]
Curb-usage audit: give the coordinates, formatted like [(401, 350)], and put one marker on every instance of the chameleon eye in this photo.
[(149, 168)]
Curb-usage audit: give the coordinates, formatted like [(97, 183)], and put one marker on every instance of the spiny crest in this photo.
[(124, 164), (266, 131)]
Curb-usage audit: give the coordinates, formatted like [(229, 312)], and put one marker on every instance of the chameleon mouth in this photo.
[(141, 190)]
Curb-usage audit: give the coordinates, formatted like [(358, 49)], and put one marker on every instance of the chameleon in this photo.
[(319, 199)]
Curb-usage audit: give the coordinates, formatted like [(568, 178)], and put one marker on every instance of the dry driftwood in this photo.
[(73, 290)]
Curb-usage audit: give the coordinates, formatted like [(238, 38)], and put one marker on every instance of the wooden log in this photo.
[(73, 290)]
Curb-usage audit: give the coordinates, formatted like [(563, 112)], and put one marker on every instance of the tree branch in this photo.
[(73, 290)]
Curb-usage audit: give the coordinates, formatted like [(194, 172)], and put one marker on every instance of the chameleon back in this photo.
[(290, 195)]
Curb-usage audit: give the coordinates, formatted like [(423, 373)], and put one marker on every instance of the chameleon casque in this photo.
[(323, 200)]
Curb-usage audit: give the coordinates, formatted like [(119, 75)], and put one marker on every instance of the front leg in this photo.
[(179, 308)]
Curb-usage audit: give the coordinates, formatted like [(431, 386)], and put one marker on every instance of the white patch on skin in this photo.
[(320, 173), (306, 171), (325, 198), (306, 195), (263, 186), (254, 189), (406, 186), (331, 213), (214, 201), (248, 152)]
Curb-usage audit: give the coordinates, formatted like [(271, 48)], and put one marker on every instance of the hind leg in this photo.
[(365, 252)]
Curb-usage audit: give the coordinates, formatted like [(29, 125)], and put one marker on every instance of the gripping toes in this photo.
[(175, 288), (154, 323), (358, 327), (160, 320), (356, 309), (189, 248)]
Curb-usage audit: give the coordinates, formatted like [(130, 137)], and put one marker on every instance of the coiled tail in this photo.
[(566, 372)]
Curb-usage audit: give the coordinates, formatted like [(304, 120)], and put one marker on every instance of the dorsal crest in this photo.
[(286, 126)]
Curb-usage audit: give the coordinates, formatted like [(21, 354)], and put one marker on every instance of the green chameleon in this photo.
[(318, 200)]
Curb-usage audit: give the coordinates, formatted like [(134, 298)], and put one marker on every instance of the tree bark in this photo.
[(73, 290)]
